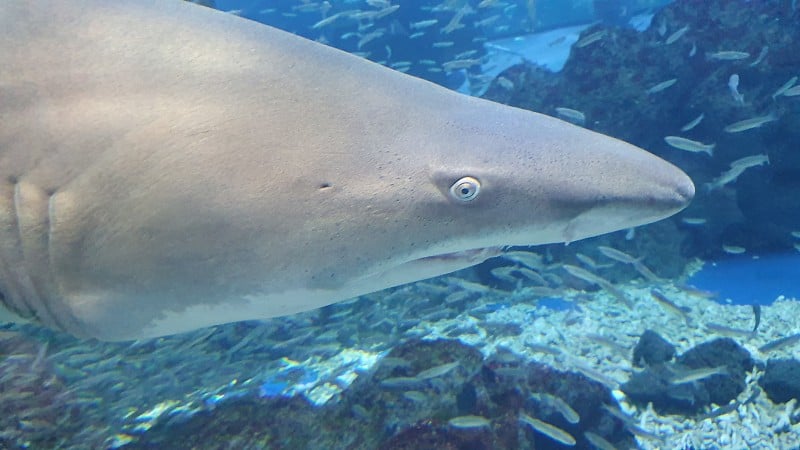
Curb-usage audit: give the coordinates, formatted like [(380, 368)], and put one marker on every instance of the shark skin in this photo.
[(166, 167)]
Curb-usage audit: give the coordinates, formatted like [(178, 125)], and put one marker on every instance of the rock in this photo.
[(655, 384), (372, 413), (652, 349), (720, 352), (781, 380)]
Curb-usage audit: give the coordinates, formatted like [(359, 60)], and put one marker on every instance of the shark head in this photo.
[(492, 176)]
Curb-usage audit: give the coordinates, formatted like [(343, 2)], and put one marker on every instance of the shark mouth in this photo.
[(474, 256)]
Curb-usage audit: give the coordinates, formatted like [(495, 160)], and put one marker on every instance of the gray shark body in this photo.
[(165, 167)]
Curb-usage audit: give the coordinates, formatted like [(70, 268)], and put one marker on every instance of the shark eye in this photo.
[(465, 189)]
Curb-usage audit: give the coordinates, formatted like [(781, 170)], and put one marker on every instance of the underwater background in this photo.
[(682, 334)]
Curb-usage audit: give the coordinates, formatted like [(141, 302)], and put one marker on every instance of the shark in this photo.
[(166, 167)]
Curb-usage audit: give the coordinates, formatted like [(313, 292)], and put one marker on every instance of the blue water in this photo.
[(745, 280)]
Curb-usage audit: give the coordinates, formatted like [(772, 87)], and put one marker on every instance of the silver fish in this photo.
[(696, 121), (749, 124), (689, 145)]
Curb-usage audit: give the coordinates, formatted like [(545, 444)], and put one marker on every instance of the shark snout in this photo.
[(679, 190), (684, 189)]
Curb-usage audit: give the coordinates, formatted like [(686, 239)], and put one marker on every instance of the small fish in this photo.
[(437, 371), (761, 56), (693, 123), (697, 292), (584, 275), (586, 261), (532, 260), (532, 275), (778, 344), (689, 145), (326, 21), (40, 355), (661, 86), (591, 278), (786, 86), (415, 396), (733, 249), (369, 37), (793, 91), (505, 83), (617, 255), (749, 124), (646, 272), (795, 234), (616, 412), (757, 316), (728, 55), (379, 3), (590, 263), (694, 220), (608, 342), (669, 305), (563, 408), (443, 44), (597, 376), (360, 412), (751, 161), (392, 362), (662, 27), (726, 177), (721, 411), (400, 383), (728, 331), (468, 285), (573, 115), (504, 273), (690, 376), (457, 64), (539, 348), (466, 54), (423, 24), (386, 11), (590, 39), (455, 22), (487, 21), (598, 441), (551, 431), (733, 86), (644, 434), (467, 422), (672, 38), (693, 50), (618, 294)]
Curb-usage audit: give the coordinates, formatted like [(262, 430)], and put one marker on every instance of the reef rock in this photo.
[(714, 372), (652, 349), (781, 380)]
